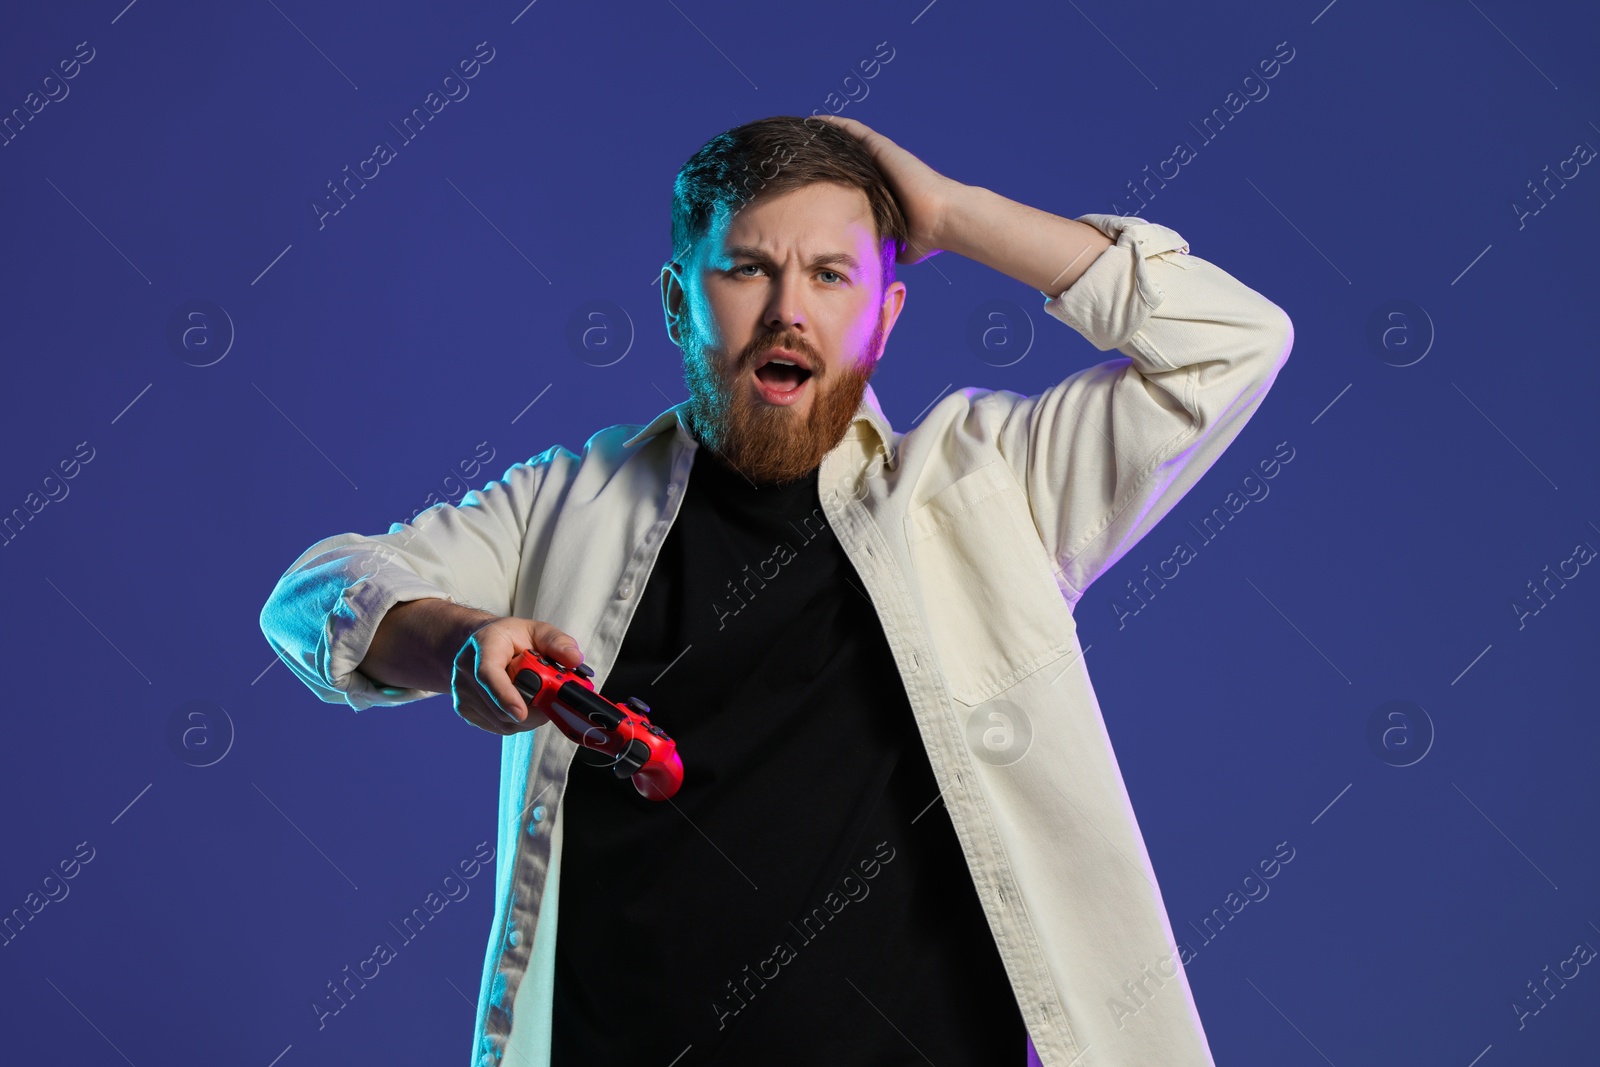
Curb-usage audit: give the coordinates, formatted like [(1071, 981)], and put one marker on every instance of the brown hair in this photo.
[(776, 155)]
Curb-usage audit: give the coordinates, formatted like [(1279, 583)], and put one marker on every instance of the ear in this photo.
[(894, 299), (673, 298)]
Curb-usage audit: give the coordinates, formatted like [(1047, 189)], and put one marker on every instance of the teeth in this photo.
[(785, 362)]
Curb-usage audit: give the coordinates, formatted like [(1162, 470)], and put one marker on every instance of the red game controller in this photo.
[(638, 748)]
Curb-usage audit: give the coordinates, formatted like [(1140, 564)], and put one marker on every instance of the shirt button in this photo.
[(624, 591), (672, 487)]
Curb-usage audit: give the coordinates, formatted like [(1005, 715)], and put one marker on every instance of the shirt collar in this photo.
[(869, 413)]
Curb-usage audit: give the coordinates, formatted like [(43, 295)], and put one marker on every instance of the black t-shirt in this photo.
[(803, 899)]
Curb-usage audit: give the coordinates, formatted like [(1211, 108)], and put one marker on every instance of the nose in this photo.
[(784, 311)]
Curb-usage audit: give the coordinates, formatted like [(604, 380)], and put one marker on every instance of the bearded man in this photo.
[(901, 835)]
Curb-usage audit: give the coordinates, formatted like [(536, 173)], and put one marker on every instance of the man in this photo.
[(902, 835)]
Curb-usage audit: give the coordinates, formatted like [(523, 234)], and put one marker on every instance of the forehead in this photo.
[(812, 220)]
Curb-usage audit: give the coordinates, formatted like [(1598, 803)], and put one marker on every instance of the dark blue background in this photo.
[(378, 351)]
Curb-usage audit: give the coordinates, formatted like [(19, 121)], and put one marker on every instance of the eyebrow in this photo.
[(823, 260)]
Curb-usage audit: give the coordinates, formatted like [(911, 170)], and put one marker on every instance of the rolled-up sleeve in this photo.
[(1105, 454), (321, 616)]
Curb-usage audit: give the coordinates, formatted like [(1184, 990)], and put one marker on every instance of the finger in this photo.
[(531, 719), (558, 645), (496, 689), (475, 715), (474, 705), (529, 715), (840, 120), (490, 714), (472, 692)]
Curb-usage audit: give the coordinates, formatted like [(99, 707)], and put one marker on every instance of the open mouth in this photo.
[(780, 378)]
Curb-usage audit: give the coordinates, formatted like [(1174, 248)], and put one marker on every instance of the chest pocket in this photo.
[(994, 611)]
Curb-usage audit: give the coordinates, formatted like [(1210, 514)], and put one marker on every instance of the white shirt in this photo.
[(975, 534)]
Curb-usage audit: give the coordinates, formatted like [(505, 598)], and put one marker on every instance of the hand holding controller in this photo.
[(639, 749)]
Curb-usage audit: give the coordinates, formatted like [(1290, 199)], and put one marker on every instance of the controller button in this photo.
[(638, 705), (584, 669)]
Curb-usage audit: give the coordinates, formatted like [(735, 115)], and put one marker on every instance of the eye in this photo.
[(829, 277)]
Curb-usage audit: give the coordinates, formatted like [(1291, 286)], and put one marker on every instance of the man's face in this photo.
[(793, 277)]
